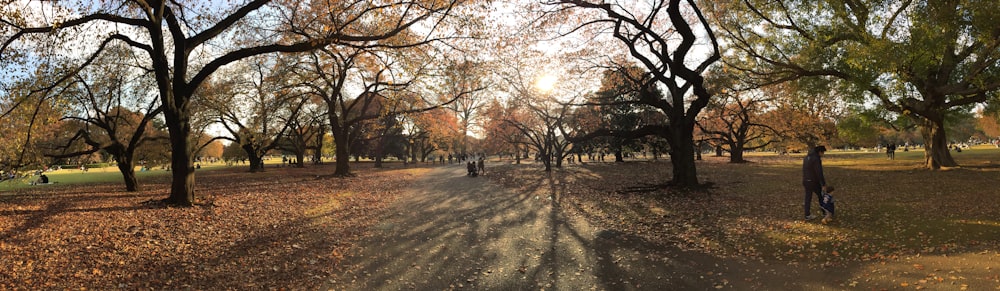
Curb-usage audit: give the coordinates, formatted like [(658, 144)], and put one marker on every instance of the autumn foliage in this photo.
[(278, 229)]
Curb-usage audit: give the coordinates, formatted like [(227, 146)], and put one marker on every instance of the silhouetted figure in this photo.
[(472, 168), (479, 164)]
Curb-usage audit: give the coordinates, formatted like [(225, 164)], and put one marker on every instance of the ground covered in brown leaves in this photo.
[(283, 228), (898, 226)]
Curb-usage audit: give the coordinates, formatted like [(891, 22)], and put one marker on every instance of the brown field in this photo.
[(897, 224)]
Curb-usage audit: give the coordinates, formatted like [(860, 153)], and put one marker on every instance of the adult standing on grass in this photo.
[(812, 178)]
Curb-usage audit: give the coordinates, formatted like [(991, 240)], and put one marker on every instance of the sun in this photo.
[(546, 83)]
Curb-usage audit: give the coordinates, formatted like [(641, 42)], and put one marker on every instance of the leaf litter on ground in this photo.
[(889, 213), (282, 228)]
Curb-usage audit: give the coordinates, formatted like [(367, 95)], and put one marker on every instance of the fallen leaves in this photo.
[(885, 215), (277, 229)]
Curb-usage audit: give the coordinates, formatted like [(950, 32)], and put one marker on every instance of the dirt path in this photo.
[(458, 232)]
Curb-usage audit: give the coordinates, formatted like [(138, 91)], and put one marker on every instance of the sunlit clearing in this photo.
[(546, 83)]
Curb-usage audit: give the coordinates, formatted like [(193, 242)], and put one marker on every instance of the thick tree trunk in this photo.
[(300, 159), (618, 156), (343, 156), (256, 162), (181, 166), (936, 152), (682, 156), (127, 169), (736, 153)]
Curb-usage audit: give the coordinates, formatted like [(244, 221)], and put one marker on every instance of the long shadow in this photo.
[(461, 232), (454, 231), (54, 204)]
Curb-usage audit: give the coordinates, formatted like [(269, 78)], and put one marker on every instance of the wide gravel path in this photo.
[(457, 232)]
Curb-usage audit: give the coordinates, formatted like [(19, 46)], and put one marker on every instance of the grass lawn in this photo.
[(75, 176), (898, 225)]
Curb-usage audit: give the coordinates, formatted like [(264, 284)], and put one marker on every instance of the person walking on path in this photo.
[(479, 164), (890, 151), (812, 178)]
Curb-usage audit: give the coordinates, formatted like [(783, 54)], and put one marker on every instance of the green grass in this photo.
[(74, 176)]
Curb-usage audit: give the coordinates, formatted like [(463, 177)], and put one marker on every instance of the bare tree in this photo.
[(662, 36), (186, 43)]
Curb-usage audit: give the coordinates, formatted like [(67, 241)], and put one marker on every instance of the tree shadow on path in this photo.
[(452, 231)]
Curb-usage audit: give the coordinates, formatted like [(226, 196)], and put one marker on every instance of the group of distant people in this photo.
[(476, 168)]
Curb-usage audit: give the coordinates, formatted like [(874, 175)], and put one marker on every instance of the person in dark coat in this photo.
[(471, 166), (812, 178)]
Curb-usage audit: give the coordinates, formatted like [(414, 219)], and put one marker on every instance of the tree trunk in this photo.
[(343, 155), (256, 162), (378, 153), (517, 154), (318, 153), (736, 153), (618, 156), (127, 169), (182, 168), (413, 153), (682, 156), (936, 152), (300, 159)]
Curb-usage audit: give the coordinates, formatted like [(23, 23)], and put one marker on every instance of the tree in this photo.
[(100, 96), (435, 129), (213, 150), (919, 59), (29, 118), (327, 74), (860, 127), (462, 77), (663, 39), (234, 153), (305, 132), (989, 124), (256, 113), (541, 130), (734, 123), (500, 130), (175, 37), (616, 109), (802, 118)]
